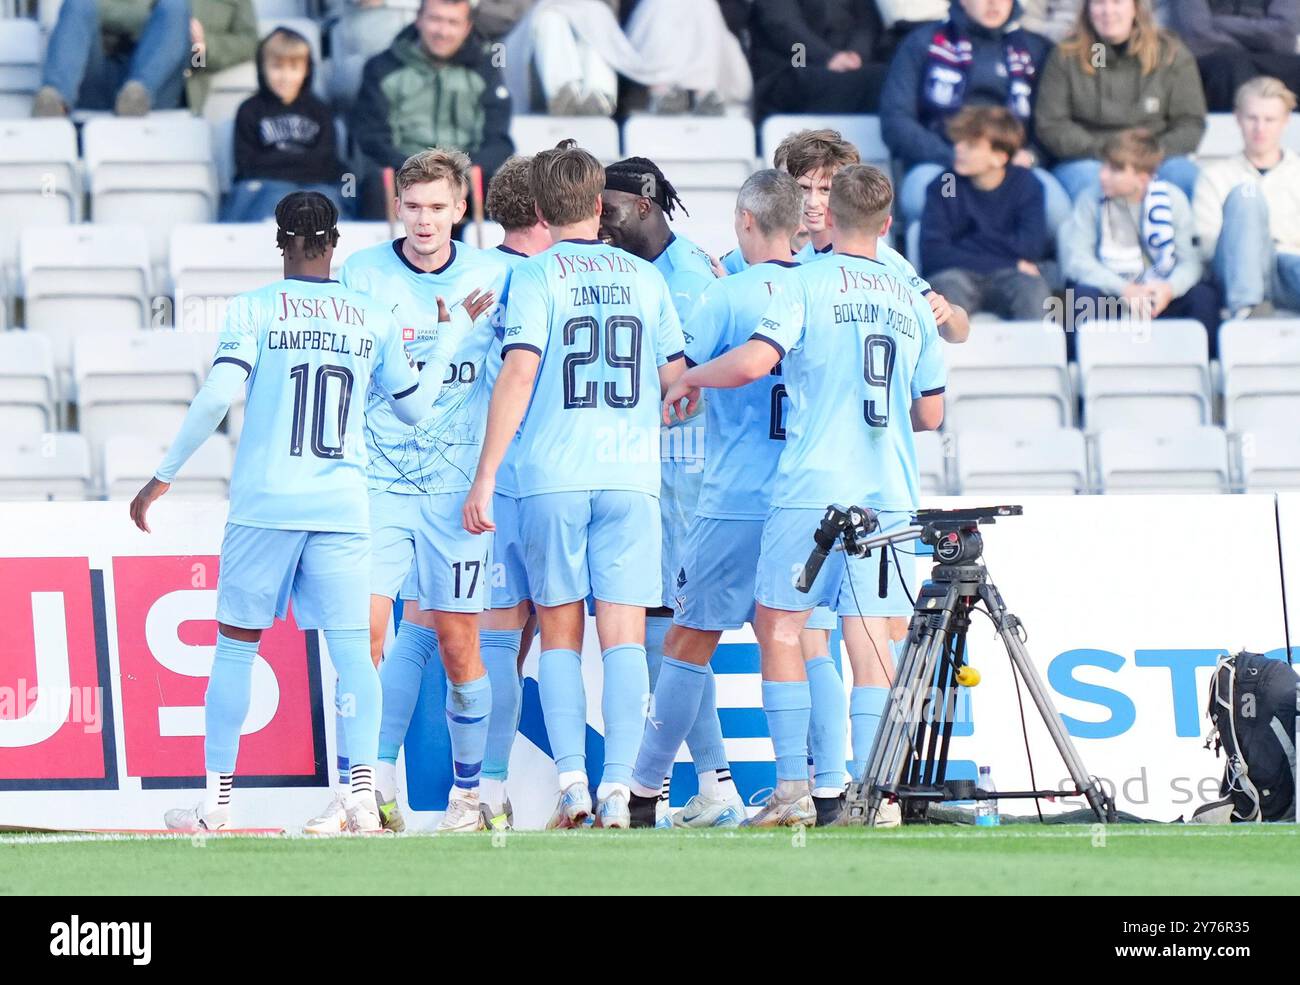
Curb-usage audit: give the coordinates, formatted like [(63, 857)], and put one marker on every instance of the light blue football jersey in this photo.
[(440, 454), (734, 262), (745, 426), (312, 350), (688, 272), (858, 345), (507, 484), (603, 323)]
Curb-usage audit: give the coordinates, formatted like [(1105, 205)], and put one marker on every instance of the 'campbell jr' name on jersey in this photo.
[(311, 349), (858, 345), (603, 323), (440, 454)]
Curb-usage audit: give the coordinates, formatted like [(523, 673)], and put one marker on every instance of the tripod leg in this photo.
[(1097, 800)]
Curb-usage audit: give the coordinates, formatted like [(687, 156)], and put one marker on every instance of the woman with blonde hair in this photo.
[(1116, 71)]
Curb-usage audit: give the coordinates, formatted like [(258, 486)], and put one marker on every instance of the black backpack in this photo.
[(1253, 709)]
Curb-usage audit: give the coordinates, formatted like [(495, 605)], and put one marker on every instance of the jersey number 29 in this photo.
[(617, 327)]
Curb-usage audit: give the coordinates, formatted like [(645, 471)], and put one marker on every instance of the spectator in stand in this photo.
[(979, 56), (1053, 19), (816, 56), (134, 56), (1135, 241), (1236, 40), (435, 86), (1248, 207), (681, 50), (984, 239), (1119, 71), (285, 139)]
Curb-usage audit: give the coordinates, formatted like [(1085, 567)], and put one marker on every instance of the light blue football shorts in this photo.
[(322, 572), (604, 543), (850, 586), (714, 586)]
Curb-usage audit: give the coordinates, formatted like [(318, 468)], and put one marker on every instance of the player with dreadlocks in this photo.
[(308, 350), (636, 205)]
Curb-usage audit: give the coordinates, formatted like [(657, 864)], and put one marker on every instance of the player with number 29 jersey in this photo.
[(593, 422)]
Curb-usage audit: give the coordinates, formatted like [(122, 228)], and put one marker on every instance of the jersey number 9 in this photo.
[(877, 370)]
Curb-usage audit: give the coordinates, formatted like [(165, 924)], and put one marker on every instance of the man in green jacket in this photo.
[(437, 85), (137, 55)]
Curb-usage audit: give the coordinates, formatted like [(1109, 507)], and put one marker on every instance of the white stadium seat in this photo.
[(493, 235), (1009, 374), (694, 152), (1261, 373), (1186, 460), (84, 278), (20, 65), (27, 384), (1153, 375), (40, 182), (156, 170), (1023, 462), (860, 129), (227, 90), (268, 9), (932, 457), (44, 466), (596, 134), (355, 236), (137, 383), (212, 262), (1270, 459), (130, 461)]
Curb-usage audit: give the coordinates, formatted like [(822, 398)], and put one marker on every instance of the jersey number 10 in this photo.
[(323, 376)]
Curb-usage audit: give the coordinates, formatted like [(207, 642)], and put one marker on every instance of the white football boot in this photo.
[(331, 821), (194, 819), (778, 813), (704, 812), (890, 815), (572, 809), (613, 811), (363, 815), (462, 814)]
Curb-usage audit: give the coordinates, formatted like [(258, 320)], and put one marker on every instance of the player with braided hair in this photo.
[(637, 203), (308, 349)]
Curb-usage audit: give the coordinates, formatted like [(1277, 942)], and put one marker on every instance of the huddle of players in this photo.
[(546, 498)]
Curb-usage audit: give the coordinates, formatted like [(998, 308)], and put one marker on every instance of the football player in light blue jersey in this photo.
[(635, 208), (507, 626), (591, 339), (715, 587), (308, 349), (813, 157), (418, 475), (863, 368)]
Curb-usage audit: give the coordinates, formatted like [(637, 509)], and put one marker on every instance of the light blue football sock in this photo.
[(564, 708), (866, 706), (676, 705), (704, 740), (225, 704), (468, 707), (829, 728), (788, 705), (500, 649), (623, 705), (401, 674), (656, 628), (340, 739), (359, 693)]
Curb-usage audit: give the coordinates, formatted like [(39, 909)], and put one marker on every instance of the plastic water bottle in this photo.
[(986, 811)]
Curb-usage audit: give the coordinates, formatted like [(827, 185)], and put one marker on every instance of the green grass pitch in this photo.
[(1138, 860)]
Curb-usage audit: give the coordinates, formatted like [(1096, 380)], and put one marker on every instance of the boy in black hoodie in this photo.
[(285, 139)]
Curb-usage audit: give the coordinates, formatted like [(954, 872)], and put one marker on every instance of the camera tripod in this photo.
[(909, 757)]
